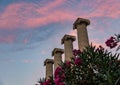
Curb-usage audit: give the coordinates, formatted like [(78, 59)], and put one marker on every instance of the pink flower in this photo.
[(58, 81), (111, 42), (59, 76), (47, 82), (58, 71), (68, 64), (41, 83), (76, 52), (100, 48), (63, 76), (78, 61)]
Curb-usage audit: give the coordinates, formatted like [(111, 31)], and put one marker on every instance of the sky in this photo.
[(31, 29)]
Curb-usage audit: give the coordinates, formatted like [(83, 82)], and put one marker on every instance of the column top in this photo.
[(67, 37), (48, 61), (79, 21), (57, 50)]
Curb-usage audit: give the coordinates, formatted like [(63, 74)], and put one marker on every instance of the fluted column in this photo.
[(81, 25), (49, 68), (57, 53), (67, 40)]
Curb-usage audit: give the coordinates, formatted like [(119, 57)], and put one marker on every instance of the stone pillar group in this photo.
[(57, 53), (67, 40), (81, 25), (49, 68)]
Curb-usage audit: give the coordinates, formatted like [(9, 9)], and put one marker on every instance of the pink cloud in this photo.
[(26, 61), (97, 43), (20, 15), (7, 60), (10, 18), (8, 39), (15, 14), (57, 16), (73, 32), (25, 41), (43, 52), (108, 8), (31, 15), (50, 6)]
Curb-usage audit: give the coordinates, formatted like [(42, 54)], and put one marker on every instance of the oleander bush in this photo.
[(92, 66)]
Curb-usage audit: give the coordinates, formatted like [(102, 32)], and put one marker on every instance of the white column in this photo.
[(49, 68), (81, 25), (67, 40), (57, 53)]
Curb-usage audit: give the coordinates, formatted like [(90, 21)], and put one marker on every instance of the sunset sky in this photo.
[(31, 29)]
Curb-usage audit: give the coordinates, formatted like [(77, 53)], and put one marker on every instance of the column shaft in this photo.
[(57, 53), (57, 60), (67, 40), (83, 40), (49, 68), (68, 46)]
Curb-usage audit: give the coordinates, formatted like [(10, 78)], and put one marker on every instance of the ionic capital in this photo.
[(80, 21), (67, 37), (47, 61), (57, 50)]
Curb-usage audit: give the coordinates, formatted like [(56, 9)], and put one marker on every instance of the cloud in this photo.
[(25, 41), (7, 39), (7, 60), (27, 16), (97, 42), (14, 15), (27, 61), (32, 15), (54, 17), (108, 8), (73, 32), (48, 7), (43, 52)]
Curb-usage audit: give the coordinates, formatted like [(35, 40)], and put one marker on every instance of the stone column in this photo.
[(67, 40), (49, 68), (81, 25), (57, 53)]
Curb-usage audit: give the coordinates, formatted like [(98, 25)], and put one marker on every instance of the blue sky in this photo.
[(31, 29)]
